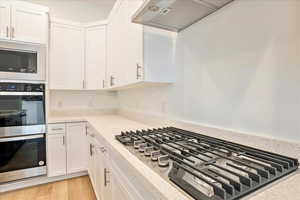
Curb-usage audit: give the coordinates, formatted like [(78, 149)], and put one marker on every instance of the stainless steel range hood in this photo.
[(176, 15)]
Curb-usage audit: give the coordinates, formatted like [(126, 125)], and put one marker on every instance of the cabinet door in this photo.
[(99, 174), (95, 57), (118, 190), (29, 25), (133, 43), (107, 185), (56, 151), (4, 20), (66, 69), (115, 49), (76, 147)]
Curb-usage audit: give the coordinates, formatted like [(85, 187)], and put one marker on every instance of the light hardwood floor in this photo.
[(72, 189)]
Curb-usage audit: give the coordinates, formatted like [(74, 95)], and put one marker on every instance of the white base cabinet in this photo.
[(99, 167), (57, 156), (112, 177), (66, 148), (76, 147)]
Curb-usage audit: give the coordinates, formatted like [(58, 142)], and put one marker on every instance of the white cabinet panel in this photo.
[(95, 57), (66, 57), (137, 54), (133, 43), (118, 190), (115, 51), (76, 148), (99, 174), (29, 25), (56, 155), (4, 20)]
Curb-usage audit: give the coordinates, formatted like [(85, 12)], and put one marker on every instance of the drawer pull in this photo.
[(57, 129)]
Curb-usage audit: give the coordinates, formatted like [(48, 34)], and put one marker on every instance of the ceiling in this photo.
[(78, 10)]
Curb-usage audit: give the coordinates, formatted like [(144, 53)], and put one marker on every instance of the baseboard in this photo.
[(37, 181)]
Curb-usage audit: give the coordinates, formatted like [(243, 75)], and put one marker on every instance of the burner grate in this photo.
[(227, 170)]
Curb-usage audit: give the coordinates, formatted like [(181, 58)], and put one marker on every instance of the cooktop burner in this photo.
[(207, 168)]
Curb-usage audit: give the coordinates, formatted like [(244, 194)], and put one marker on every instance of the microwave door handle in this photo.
[(12, 139)]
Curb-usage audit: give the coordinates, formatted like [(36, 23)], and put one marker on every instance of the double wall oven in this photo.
[(22, 131)]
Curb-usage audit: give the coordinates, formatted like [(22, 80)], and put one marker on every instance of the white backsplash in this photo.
[(82, 100)]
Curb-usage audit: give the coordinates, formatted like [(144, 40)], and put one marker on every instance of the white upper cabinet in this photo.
[(4, 20), (66, 69), (95, 57), (29, 25), (23, 22), (137, 53), (77, 56)]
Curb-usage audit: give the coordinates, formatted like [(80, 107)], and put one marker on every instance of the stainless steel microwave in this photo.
[(27, 63)]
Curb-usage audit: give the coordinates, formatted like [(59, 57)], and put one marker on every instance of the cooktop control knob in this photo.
[(163, 161), (137, 143), (142, 147), (148, 151), (155, 155)]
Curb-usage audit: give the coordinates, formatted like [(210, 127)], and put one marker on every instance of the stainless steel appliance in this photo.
[(176, 15), (22, 131), (26, 63), (204, 167)]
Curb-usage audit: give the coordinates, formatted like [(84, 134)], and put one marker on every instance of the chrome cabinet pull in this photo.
[(103, 83), (91, 149), (83, 84), (63, 140), (138, 75), (7, 31), (106, 172), (102, 149), (112, 80), (57, 129)]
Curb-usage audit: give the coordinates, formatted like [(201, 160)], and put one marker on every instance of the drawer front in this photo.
[(59, 128)]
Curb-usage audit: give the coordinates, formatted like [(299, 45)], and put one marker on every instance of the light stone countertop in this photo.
[(110, 125)]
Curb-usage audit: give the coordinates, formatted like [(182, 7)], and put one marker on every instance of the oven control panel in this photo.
[(22, 87)]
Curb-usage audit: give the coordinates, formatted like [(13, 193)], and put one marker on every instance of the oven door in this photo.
[(22, 157), (22, 113)]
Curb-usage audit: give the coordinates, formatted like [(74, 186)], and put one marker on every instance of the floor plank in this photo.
[(72, 189)]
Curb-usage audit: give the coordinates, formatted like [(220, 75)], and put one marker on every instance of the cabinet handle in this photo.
[(12, 32), (91, 150), (83, 84), (138, 75), (103, 83), (57, 129), (106, 182), (102, 149), (7, 31), (112, 80), (64, 140)]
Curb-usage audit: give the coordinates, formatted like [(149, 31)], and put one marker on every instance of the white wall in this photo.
[(237, 69), (78, 10), (82, 100)]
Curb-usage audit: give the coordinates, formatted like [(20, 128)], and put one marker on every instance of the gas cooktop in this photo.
[(204, 167)]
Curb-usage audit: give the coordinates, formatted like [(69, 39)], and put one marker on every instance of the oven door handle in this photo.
[(21, 93), (11, 139)]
